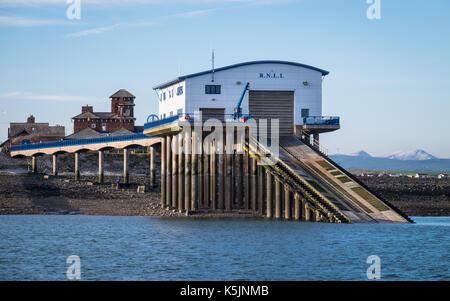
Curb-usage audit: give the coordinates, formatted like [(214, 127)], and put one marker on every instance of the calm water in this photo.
[(143, 248)]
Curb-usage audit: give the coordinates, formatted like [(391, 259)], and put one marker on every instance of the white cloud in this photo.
[(109, 2), (17, 21), (49, 97), (87, 32)]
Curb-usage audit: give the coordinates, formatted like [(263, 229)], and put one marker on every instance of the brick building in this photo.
[(33, 132), (121, 115)]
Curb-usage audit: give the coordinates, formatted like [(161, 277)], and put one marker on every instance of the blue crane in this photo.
[(238, 110)]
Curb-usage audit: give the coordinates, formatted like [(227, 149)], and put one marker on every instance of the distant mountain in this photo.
[(361, 153), (411, 155), (417, 160)]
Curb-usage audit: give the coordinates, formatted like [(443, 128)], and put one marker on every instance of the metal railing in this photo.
[(309, 139), (321, 120), (65, 143), (193, 117)]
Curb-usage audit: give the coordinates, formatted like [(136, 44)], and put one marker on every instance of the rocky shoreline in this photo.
[(43, 194)]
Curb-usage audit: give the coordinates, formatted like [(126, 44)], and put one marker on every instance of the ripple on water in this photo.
[(142, 248)]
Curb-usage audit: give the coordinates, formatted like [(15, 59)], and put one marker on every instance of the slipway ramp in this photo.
[(330, 185)]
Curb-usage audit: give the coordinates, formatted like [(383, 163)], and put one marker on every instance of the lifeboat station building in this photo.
[(288, 91)]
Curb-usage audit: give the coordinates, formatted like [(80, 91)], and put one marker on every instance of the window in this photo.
[(104, 127), (160, 97), (212, 89), (180, 90), (164, 96), (127, 112), (93, 125), (305, 112), (171, 113), (180, 111)]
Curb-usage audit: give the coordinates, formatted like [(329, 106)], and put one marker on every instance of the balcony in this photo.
[(320, 124)]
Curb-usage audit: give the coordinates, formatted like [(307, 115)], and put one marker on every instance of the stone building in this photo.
[(33, 132), (121, 115)]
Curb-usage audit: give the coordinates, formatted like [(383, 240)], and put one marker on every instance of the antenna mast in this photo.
[(212, 65)]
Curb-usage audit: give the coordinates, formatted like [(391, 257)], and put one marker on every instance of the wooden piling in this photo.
[(220, 179), (254, 183), (307, 212), (174, 146), (187, 174), (180, 173), (287, 202), (261, 182), (277, 198), (238, 177), (228, 186), (213, 182), (268, 194), (168, 171), (194, 172), (297, 207), (206, 177), (163, 172), (246, 176)]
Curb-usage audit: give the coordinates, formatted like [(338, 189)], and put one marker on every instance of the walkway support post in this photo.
[(77, 171), (125, 165), (100, 166), (220, 178), (206, 176), (33, 164), (152, 166), (55, 167), (163, 172)]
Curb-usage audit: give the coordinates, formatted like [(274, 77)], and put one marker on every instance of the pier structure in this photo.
[(208, 171), (100, 145)]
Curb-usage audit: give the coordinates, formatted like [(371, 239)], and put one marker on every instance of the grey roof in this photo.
[(38, 129), (84, 133), (121, 131), (122, 93), (181, 78)]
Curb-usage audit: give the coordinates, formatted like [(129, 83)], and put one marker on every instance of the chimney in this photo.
[(30, 119), (87, 108)]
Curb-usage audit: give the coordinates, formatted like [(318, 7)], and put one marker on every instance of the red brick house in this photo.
[(121, 115)]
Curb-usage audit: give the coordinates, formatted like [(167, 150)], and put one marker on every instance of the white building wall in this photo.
[(171, 104), (287, 78)]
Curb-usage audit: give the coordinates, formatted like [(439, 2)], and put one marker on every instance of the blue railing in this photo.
[(64, 143), (192, 117), (321, 120), (153, 124)]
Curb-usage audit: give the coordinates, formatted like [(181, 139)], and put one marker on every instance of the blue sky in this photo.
[(388, 81)]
